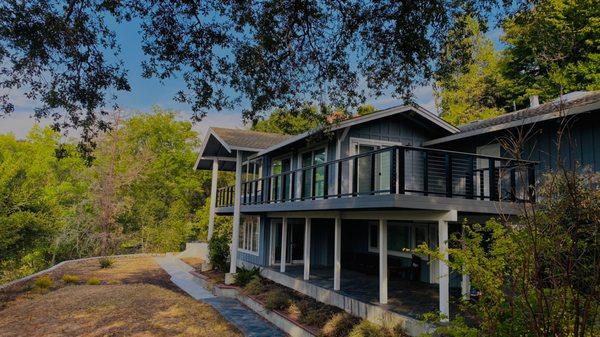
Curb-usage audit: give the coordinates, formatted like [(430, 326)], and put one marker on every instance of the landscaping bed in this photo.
[(315, 317), (132, 296)]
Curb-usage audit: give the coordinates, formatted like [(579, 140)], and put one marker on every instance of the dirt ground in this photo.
[(135, 298)]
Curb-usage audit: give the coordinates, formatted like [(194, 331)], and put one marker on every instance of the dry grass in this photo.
[(194, 262), (136, 297)]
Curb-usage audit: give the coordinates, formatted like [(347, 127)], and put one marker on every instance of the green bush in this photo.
[(93, 281), (43, 282), (277, 300), (69, 278), (368, 329), (244, 276), (255, 286), (105, 262), (340, 325), (218, 252)]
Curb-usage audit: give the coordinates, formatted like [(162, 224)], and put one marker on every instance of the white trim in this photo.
[(352, 145), (383, 261), (243, 225)]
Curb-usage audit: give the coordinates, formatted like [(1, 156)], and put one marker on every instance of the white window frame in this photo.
[(272, 163), (412, 240), (320, 146), (355, 142), (245, 243)]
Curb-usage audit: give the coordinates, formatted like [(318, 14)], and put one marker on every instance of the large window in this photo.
[(403, 237), (249, 234)]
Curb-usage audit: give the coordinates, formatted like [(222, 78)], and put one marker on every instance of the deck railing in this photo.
[(395, 170)]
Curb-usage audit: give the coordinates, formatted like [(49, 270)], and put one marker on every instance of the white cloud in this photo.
[(19, 124)]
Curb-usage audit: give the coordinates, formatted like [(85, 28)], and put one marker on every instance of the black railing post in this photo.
[(401, 170), (276, 189), (267, 190), (355, 176), (284, 178), (293, 186), (470, 185), (313, 183), (393, 170), (426, 174), (531, 182), (256, 191), (373, 173), (513, 183), (481, 184), (244, 190), (448, 169), (339, 179), (325, 181), (493, 184), (302, 184)]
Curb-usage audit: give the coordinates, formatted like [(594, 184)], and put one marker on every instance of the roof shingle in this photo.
[(239, 138)]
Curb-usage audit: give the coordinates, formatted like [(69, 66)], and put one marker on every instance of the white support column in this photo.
[(213, 198), (337, 256), (443, 270), (283, 244), (235, 236), (383, 264), (466, 287), (307, 225)]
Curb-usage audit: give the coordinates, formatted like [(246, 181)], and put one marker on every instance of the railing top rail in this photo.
[(387, 149)]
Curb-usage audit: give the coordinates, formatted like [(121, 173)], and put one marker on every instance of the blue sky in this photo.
[(148, 92)]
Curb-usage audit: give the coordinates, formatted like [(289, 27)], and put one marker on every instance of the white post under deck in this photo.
[(213, 198), (307, 226), (283, 254), (235, 236), (444, 273), (337, 264), (383, 265)]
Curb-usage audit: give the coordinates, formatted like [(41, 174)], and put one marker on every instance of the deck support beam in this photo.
[(235, 236), (213, 198), (284, 223), (307, 225), (337, 255), (383, 263), (444, 273)]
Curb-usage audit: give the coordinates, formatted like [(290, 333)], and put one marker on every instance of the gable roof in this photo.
[(223, 143), (420, 111), (570, 104)]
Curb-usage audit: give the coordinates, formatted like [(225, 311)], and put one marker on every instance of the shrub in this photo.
[(314, 313), (368, 329), (114, 282), (277, 300), (255, 286), (218, 252), (244, 276), (43, 282), (339, 325), (93, 281), (105, 262), (69, 278)]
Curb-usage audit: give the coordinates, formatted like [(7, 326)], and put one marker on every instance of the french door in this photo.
[(373, 172), (294, 245)]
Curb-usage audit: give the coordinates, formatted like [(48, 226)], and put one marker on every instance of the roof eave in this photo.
[(522, 122)]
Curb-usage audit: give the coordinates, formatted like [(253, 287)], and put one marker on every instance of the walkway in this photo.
[(246, 320)]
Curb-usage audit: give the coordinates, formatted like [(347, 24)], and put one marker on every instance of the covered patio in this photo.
[(408, 298)]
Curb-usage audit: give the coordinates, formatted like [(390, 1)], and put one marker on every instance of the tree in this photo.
[(283, 121), (553, 47), (38, 184), (268, 54), (468, 83)]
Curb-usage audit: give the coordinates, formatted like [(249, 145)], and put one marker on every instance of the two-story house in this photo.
[(336, 213)]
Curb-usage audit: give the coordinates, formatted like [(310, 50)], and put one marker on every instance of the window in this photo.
[(310, 158), (381, 165), (403, 238), (249, 234), (282, 182)]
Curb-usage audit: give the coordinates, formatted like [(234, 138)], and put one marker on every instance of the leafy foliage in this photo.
[(139, 194), (277, 299), (553, 47), (105, 262), (43, 282), (537, 275), (244, 276), (218, 251), (468, 87)]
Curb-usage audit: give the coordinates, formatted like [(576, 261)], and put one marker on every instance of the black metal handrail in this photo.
[(408, 170)]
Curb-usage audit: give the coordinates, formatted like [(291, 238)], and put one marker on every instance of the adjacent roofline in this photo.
[(517, 123), (362, 119)]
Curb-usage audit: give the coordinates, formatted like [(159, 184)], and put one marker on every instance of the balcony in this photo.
[(393, 171)]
